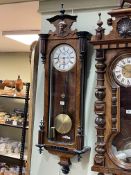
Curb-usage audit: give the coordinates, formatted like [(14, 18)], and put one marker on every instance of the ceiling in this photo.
[(14, 1), (18, 16)]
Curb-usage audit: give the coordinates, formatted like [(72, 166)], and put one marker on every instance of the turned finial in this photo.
[(62, 11), (99, 23), (100, 30)]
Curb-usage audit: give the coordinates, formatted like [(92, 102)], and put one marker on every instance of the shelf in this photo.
[(13, 97), (13, 126), (13, 156), (11, 160)]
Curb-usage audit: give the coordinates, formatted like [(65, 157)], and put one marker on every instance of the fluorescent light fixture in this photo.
[(23, 36)]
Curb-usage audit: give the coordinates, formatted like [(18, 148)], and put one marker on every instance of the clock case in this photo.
[(49, 138), (112, 99)]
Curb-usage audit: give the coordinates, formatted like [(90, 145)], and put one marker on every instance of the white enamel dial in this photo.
[(63, 57), (122, 72)]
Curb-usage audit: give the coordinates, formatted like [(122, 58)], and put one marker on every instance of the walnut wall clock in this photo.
[(113, 93), (64, 54)]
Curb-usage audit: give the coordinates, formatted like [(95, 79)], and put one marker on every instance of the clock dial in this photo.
[(122, 72), (63, 57), (62, 106)]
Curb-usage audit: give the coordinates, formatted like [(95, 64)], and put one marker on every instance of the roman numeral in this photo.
[(128, 60), (123, 62), (71, 62), (118, 76), (128, 82)]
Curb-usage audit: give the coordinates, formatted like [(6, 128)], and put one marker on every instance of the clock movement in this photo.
[(113, 93), (64, 54)]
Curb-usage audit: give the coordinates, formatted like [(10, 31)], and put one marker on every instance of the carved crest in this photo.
[(120, 21), (123, 2), (62, 23)]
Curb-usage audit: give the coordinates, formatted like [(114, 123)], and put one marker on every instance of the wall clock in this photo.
[(113, 93), (64, 54)]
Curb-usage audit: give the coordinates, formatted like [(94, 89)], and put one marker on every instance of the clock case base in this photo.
[(107, 107), (65, 155)]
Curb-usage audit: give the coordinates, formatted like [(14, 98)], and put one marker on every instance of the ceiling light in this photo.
[(25, 37)]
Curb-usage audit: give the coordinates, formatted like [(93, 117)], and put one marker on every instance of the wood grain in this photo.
[(116, 128)]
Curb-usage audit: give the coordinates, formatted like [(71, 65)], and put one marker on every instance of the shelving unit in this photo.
[(10, 160)]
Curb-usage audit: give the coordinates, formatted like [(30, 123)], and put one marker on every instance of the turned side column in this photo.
[(114, 109), (100, 108)]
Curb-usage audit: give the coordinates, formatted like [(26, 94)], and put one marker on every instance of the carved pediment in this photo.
[(62, 23), (120, 21)]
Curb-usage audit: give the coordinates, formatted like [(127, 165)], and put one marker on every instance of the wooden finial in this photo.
[(99, 23), (100, 30), (62, 11), (62, 5)]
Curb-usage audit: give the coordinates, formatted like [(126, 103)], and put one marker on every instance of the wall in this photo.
[(13, 64), (46, 163)]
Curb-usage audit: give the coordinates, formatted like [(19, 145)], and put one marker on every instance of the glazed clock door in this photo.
[(63, 83)]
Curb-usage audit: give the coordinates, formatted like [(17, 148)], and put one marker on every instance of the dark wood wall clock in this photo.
[(64, 54), (113, 93)]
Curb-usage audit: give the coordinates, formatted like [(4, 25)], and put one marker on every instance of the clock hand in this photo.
[(67, 50), (127, 69), (61, 52)]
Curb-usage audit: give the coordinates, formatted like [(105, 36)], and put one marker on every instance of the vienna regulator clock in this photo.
[(64, 54), (113, 93)]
